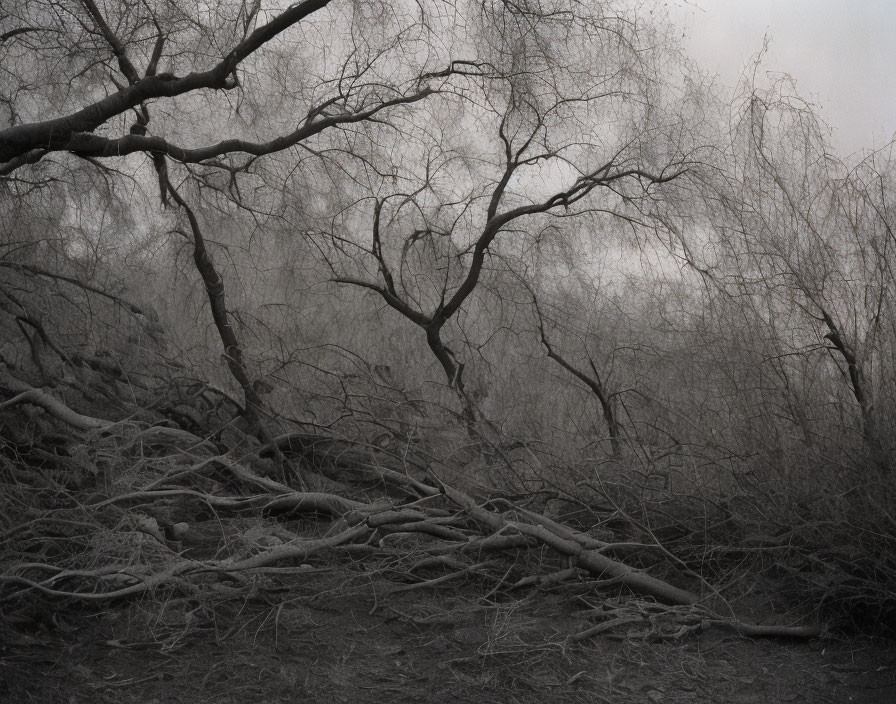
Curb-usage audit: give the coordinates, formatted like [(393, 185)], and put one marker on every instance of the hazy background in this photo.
[(842, 54)]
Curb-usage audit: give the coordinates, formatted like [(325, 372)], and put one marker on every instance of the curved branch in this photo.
[(594, 383), (86, 144), (584, 185), (56, 133), (38, 397), (393, 300)]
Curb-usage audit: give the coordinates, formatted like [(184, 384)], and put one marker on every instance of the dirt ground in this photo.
[(342, 641)]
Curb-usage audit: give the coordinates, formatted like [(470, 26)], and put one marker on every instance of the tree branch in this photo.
[(390, 298), (86, 144), (124, 63), (38, 271), (55, 134)]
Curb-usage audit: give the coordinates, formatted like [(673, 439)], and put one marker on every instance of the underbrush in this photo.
[(177, 516)]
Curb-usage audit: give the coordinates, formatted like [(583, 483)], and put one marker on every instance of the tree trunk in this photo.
[(253, 408), (858, 384)]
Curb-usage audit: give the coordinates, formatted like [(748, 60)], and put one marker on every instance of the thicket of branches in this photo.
[(492, 278)]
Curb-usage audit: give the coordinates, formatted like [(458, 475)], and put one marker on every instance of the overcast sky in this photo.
[(841, 52)]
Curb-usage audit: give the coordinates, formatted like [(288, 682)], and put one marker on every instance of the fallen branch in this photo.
[(335, 449), (546, 580), (140, 583), (306, 502), (311, 501), (756, 630), (38, 397), (674, 622), (590, 560), (439, 580), (173, 436), (300, 549), (435, 530), (604, 627)]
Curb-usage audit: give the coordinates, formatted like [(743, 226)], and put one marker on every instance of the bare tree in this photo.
[(154, 67), (548, 136), (427, 148), (808, 240)]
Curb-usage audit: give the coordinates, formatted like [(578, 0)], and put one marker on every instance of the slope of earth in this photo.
[(357, 643)]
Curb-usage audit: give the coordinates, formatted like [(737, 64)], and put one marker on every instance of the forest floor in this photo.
[(143, 565), (333, 636)]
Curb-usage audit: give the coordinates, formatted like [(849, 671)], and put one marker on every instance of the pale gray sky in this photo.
[(841, 52)]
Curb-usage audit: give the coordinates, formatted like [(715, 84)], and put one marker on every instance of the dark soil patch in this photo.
[(357, 646)]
